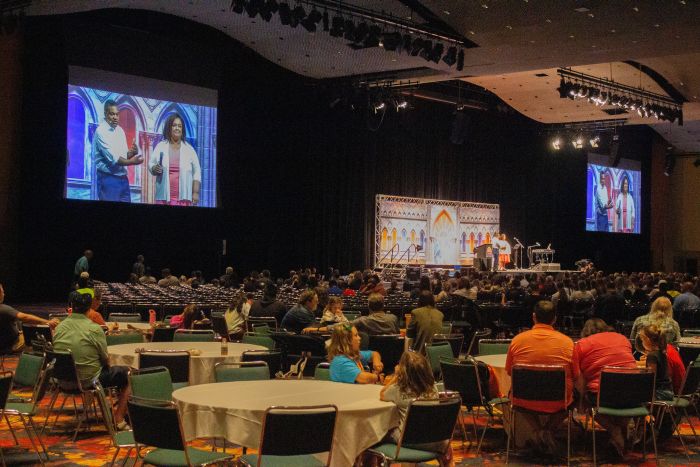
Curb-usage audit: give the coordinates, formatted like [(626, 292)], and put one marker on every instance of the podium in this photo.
[(483, 257)]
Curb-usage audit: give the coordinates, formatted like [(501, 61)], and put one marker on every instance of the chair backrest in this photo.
[(541, 383), (351, 316), (241, 371), (163, 334), (624, 388), (390, 347), (446, 328), (270, 321), (273, 359), (262, 328), (258, 339), (124, 338), (5, 388), (218, 323), (124, 317), (322, 372), (178, 363), (32, 331), (59, 316), (281, 435), (155, 423), (296, 344), (28, 369), (493, 346), (691, 382), (429, 421), (464, 377), (64, 369), (151, 383), (691, 332), (455, 340), (435, 352), (194, 335), (478, 335)]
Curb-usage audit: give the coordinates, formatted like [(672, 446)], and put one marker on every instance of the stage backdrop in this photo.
[(431, 231)]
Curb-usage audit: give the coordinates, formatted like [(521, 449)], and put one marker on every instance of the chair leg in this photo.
[(690, 422), (511, 434), (52, 402), (114, 457), (568, 440), (12, 430), (127, 456), (461, 426), (678, 430), (653, 440), (36, 433), (31, 438), (595, 460)]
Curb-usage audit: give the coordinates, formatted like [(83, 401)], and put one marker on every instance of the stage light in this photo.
[(310, 21), (273, 6), (253, 7), (577, 142), (407, 42), (298, 15), (285, 14), (450, 57), (349, 30), (563, 89), (416, 46), (401, 104), (437, 52), (427, 50), (379, 105), (460, 60), (338, 26), (556, 144), (594, 141), (237, 6), (391, 41), (614, 157), (325, 21), (361, 32), (372, 39)]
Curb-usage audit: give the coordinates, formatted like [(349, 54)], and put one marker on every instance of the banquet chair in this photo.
[(124, 318), (163, 334), (428, 421), (283, 443), (158, 424), (177, 363), (476, 337), (241, 371), (273, 359), (59, 316), (194, 335), (133, 337), (151, 383), (294, 348), (471, 380), (28, 370), (322, 372), (626, 392), (435, 352), (218, 323), (262, 329), (351, 316), (390, 347), (270, 321), (65, 375), (455, 341), (120, 439), (691, 332), (24, 410), (538, 383), (687, 396), (258, 339), (33, 332), (493, 346)]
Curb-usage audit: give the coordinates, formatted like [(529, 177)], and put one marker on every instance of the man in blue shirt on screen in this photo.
[(111, 155), (602, 204)]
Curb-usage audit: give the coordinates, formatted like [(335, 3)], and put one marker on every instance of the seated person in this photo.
[(348, 363), (92, 314), (301, 315), (333, 313), (268, 305), (88, 344), (236, 316), (11, 338)]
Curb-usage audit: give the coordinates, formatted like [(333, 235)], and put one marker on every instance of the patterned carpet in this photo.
[(94, 448)]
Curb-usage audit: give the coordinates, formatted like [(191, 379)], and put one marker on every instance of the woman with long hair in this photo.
[(660, 315), (349, 364)]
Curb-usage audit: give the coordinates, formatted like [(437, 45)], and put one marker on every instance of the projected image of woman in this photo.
[(175, 165), (624, 208)]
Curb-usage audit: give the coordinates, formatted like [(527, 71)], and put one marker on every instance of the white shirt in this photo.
[(108, 145)]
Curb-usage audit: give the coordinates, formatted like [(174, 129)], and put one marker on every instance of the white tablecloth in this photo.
[(127, 326), (498, 363), (234, 411), (201, 366)]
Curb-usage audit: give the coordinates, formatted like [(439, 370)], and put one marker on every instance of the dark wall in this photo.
[(297, 180)]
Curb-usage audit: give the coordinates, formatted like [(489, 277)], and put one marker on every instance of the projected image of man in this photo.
[(602, 204), (111, 155)]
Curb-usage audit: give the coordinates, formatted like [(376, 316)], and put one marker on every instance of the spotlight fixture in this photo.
[(237, 6), (601, 91), (361, 32), (427, 50), (594, 141), (407, 43), (556, 144), (450, 57), (391, 41), (437, 52), (577, 142), (378, 106), (670, 163), (614, 157), (312, 20), (416, 46), (285, 14), (338, 26), (372, 39), (460, 60)]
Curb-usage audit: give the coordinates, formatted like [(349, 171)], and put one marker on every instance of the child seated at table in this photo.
[(348, 363)]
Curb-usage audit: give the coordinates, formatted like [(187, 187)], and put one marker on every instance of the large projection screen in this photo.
[(444, 232)]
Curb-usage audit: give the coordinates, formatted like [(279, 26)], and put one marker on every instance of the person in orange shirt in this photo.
[(94, 315), (542, 345)]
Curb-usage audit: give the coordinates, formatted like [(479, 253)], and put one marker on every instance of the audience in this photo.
[(377, 322), (542, 345), (348, 363), (425, 322), (268, 305), (687, 300), (93, 314), (88, 344), (302, 314), (333, 312), (236, 316), (168, 279), (660, 315)]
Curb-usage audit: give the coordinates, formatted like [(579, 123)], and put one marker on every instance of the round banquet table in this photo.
[(201, 366), (498, 363), (235, 411), (125, 326)]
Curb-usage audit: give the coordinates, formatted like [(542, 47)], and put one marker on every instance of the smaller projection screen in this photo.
[(138, 140), (613, 196)]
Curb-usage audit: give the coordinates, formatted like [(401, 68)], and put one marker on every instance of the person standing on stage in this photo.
[(624, 208), (505, 251), (495, 249), (602, 204), (111, 155)]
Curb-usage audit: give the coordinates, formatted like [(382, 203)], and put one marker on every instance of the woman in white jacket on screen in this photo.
[(175, 165), (624, 208)]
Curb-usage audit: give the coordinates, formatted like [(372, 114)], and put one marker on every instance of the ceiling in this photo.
[(516, 39)]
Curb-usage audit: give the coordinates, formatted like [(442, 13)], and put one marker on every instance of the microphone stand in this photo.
[(519, 264)]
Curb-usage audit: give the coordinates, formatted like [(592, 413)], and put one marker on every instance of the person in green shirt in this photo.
[(83, 264), (87, 342)]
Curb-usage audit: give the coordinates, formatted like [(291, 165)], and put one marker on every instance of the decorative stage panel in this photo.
[(431, 231)]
